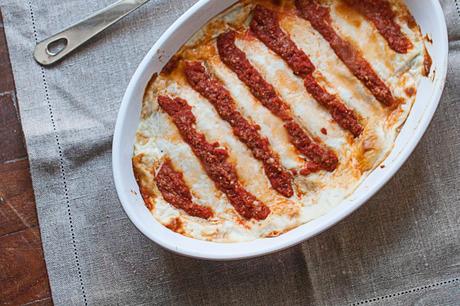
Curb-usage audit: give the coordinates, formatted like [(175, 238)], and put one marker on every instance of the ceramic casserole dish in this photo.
[(429, 17)]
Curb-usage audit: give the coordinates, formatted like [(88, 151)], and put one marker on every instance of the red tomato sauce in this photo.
[(265, 26), (247, 132), (345, 117), (320, 19), (213, 159), (379, 12), (236, 60), (172, 186)]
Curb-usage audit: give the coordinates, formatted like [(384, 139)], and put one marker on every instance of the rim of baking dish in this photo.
[(146, 223)]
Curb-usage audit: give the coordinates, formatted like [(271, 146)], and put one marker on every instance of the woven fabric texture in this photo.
[(401, 248)]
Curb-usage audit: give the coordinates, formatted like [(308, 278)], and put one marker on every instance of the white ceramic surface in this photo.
[(429, 16)]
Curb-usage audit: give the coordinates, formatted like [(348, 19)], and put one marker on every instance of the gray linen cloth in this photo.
[(402, 247)]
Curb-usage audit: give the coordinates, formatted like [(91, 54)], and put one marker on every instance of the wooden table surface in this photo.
[(23, 276)]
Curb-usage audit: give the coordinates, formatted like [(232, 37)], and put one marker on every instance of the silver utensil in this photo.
[(61, 44)]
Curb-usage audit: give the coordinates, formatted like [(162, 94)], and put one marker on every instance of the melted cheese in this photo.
[(316, 194)]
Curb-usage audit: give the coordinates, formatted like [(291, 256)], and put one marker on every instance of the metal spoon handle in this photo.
[(61, 44)]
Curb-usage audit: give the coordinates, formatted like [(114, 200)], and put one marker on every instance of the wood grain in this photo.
[(11, 138), (23, 268), (23, 276), (17, 210), (6, 82)]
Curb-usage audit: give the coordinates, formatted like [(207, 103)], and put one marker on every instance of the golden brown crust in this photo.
[(144, 178), (427, 62), (159, 138), (176, 225), (147, 106)]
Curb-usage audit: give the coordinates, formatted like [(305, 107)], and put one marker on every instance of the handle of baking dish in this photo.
[(58, 46)]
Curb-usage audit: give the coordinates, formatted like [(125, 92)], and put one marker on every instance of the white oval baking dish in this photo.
[(429, 16)]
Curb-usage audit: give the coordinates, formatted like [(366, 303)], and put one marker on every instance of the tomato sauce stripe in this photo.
[(379, 12), (341, 114), (320, 19), (236, 60), (174, 190), (214, 91), (213, 159), (265, 26)]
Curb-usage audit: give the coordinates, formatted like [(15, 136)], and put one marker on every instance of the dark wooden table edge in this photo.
[(24, 279)]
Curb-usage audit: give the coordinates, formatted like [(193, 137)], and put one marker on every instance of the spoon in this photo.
[(56, 47)]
